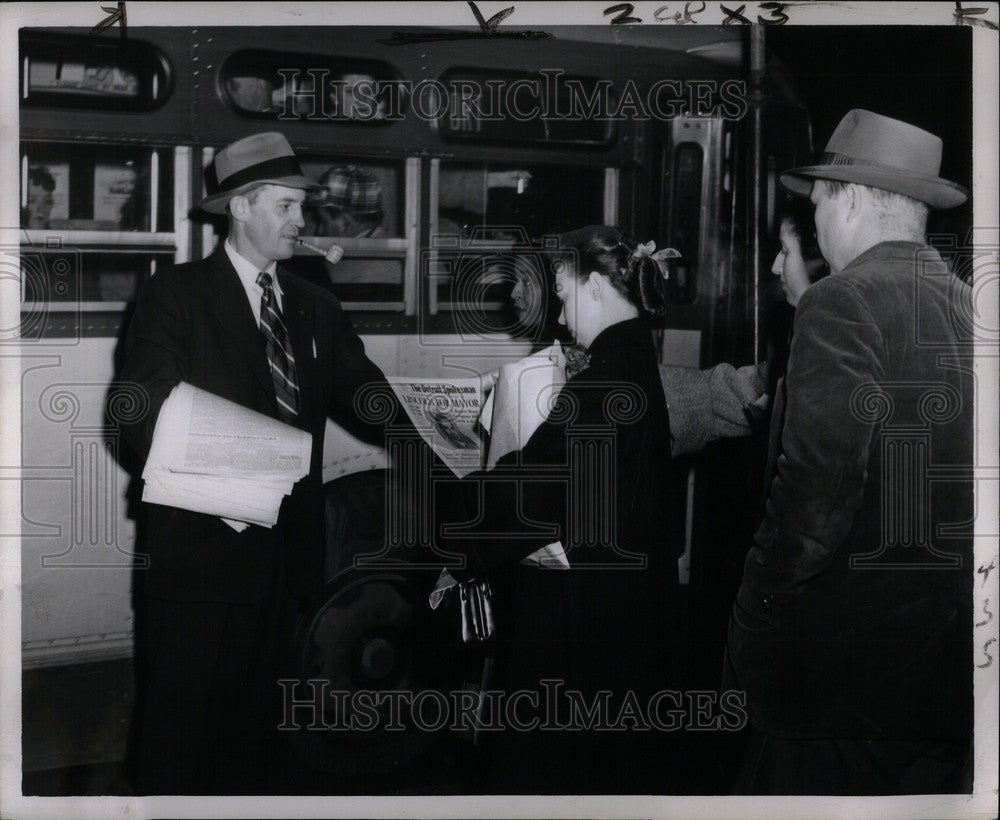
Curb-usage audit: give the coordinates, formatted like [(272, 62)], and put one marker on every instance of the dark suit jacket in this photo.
[(854, 616), (193, 323)]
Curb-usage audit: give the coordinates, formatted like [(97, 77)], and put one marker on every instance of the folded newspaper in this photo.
[(446, 412), (522, 398), (214, 456)]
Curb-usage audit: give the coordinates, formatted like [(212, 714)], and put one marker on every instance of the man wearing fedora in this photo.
[(851, 631), (219, 602)]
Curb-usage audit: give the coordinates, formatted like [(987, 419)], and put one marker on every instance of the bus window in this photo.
[(488, 213), (73, 71), (562, 115), (89, 187), (360, 206), (505, 201), (362, 280), (310, 87), (99, 219), (359, 199)]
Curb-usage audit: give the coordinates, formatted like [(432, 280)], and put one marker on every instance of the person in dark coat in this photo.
[(596, 628), (220, 603), (851, 633)]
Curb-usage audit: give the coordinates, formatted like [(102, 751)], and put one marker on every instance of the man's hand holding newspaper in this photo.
[(213, 456)]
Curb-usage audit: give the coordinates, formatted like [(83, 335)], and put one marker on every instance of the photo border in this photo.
[(986, 215)]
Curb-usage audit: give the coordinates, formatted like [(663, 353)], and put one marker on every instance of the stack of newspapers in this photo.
[(213, 456)]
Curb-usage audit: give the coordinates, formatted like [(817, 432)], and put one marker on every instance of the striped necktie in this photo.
[(279, 351)]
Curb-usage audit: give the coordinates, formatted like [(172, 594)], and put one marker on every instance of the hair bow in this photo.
[(659, 257)]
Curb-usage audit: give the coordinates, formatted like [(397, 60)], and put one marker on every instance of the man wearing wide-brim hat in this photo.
[(851, 632), (218, 598)]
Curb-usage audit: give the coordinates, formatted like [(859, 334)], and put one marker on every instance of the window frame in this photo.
[(435, 306), (139, 55), (379, 70), (175, 242)]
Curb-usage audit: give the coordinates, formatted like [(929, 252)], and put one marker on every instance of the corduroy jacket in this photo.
[(854, 617)]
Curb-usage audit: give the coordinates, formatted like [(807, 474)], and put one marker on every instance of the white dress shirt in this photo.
[(248, 274)]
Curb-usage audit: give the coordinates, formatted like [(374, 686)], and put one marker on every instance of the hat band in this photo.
[(834, 158), (268, 169)]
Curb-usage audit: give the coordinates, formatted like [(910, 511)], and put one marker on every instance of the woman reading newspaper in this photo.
[(582, 512)]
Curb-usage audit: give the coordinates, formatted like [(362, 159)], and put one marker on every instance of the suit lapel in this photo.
[(232, 310)]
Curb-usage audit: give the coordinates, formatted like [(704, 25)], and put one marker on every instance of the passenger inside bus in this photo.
[(39, 200), (349, 204), (353, 96), (352, 201), (252, 93)]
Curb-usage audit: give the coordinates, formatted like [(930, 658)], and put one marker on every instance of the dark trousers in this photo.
[(778, 765), (212, 702)]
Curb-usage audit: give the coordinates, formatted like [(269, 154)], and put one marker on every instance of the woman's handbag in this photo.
[(475, 604)]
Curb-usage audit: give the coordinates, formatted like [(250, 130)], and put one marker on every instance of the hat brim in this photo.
[(217, 203), (936, 192)]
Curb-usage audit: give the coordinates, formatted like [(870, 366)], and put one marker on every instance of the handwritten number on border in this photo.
[(989, 657), (777, 10), (985, 571), (624, 12), (986, 611)]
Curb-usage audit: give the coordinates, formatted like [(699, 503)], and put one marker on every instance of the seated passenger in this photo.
[(350, 203), (39, 199)]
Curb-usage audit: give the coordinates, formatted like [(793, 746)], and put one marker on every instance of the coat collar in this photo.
[(897, 250), (630, 333)]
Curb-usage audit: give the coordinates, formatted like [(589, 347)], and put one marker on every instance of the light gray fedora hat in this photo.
[(870, 149), (261, 159)]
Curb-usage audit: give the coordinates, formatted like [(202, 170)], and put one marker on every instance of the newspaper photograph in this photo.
[(447, 415), (599, 411)]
